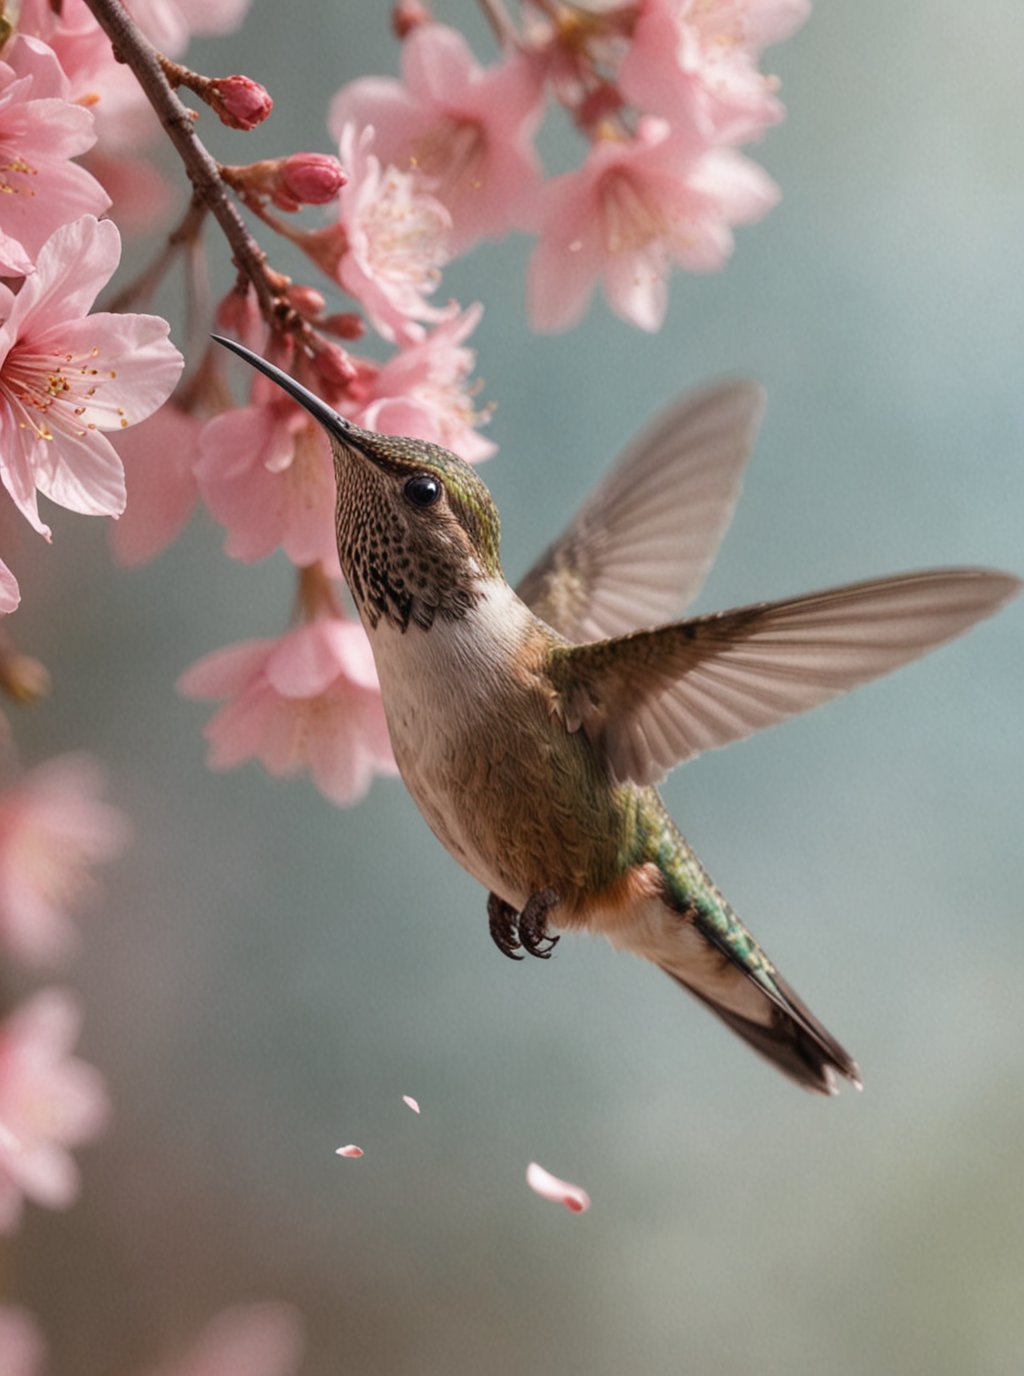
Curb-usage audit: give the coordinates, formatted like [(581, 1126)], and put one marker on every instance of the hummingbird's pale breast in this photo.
[(480, 747)]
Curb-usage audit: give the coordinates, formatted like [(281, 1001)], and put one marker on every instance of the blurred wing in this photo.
[(652, 699), (641, 545)]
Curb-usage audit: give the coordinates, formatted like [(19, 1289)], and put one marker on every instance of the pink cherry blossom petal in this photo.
[(10, 596), (351, 1151), (21, 1343), (548, 1186), (261, 1339), (411, 1102)]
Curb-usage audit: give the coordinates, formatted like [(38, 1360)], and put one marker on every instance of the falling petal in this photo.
[(413, 1104), (549, 1186), (350, 1151)]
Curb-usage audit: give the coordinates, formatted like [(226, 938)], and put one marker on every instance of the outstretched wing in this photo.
[(641, 545), (650, 700)]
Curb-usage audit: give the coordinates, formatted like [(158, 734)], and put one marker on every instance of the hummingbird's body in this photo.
[(531, 725)]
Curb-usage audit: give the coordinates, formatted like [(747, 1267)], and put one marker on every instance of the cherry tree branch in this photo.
[(133, 48)]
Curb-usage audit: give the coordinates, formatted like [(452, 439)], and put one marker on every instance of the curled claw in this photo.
[(533, 924), (504, 924)]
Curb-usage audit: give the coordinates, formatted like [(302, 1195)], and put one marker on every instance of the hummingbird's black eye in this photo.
[(423, 490)]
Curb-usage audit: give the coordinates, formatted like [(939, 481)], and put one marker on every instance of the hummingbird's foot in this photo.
[(504, 922), (533, 924)]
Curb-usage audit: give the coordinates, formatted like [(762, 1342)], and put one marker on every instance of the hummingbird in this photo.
[(531, 725)]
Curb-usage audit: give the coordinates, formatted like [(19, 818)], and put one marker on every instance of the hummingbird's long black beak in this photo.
[(326, 415)]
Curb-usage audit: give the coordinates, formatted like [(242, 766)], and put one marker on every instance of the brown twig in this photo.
[(134, 49), (143, 286)]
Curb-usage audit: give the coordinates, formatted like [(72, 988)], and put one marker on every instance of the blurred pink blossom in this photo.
[(695, 62), (10, 596), (390, 244), (21, 1343), (169, 24), (66, 376), (466, 130), (548, 1186), (40, 132), (54, 827), (421, 391), (265, 472), (159, 455), (264, 1339), (49, 1102), (633, 208), (309, 700)]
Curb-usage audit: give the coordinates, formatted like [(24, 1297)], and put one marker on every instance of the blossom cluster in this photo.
[(664, 92)]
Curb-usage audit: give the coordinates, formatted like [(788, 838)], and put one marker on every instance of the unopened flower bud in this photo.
[(238, 313), (333, 365), (344, 324), (408, 15), (240, 102), (309, 179), (307, 301)]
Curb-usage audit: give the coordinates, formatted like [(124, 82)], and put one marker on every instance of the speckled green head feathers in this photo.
[(418, 532)]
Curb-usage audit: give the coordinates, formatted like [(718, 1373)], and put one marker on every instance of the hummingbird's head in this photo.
[(418, 532)]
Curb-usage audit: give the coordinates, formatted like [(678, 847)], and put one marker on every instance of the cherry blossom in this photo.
[(21, 1343), (309, 700), (159, 456), (695, 62), (10, 594), (632, 208), (390, 244), (49, 1101), (465, 129), (421, 391), (40, 132), (54, 827), (65, 376), (265, 472), (548, 1186), (262, 1339)]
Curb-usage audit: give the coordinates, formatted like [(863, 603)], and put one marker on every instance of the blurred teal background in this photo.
[(266, 976)]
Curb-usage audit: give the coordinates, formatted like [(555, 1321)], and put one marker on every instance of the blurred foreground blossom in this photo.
[(467, 130), (65, 376), (548, 1186), (264, 1339), (159, 456), (633, 208), (54, 827), (308, 700), (21, 1343), (49, 1102)]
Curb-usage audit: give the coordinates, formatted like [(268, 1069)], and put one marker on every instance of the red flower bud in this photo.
[(345, 324), (311, 178), (408, 15), (333, 365), (307, 301), (240, 102)]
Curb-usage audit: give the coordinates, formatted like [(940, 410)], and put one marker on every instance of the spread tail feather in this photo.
[(784, 1031)]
